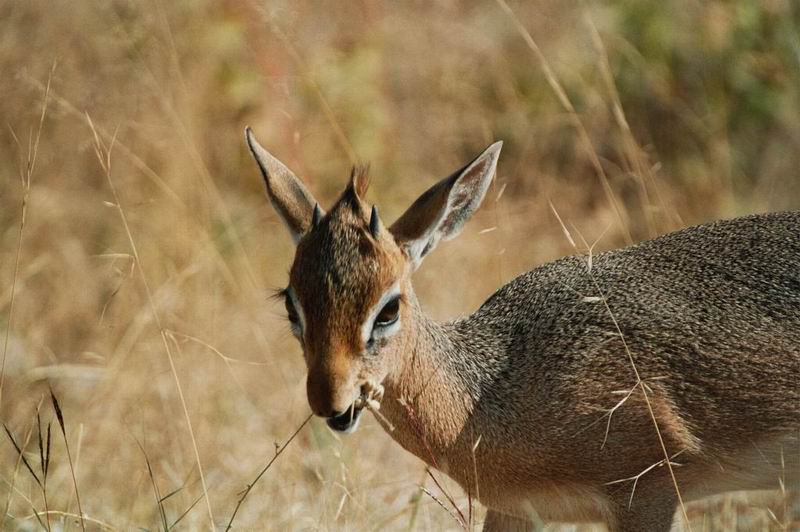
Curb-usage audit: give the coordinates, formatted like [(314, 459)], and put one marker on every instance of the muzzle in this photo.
[(347, 421)]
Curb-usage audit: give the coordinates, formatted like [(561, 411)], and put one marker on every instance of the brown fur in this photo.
[(363, 270)]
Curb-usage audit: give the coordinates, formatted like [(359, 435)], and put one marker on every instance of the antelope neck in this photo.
[(432, 398)]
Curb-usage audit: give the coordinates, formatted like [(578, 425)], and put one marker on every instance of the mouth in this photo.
[(347, 421)]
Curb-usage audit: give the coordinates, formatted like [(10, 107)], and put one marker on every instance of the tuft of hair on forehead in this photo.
[(359, 180), (353, 196)]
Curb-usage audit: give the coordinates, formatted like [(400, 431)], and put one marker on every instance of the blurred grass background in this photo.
[(632, 118)]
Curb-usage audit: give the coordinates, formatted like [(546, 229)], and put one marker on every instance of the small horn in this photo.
[(374, 222), (316, 216)]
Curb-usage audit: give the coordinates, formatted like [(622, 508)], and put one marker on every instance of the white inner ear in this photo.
[(417, 249), (366, 328), (296, 236), (299, 309)]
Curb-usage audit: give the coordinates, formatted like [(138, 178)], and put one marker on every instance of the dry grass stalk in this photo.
[(561, 94), (26, 173), (639, 381), (60, 418), (82, 518), (43, 446), (12, 485), (181, 81), (420, 432), (330, 116), (162, 513), (458, 518), (635, 478), (103, 154), (278, 452)]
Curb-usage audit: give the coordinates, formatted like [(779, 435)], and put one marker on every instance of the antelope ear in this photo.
[(441, 212), (290, 198)]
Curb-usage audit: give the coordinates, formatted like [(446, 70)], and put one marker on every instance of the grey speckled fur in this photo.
[(711, 316), (717, 303)]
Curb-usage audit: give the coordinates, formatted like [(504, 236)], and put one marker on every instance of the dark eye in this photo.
[(291, 312), (388, 313)]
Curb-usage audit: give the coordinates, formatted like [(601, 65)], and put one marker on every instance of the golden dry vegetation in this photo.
[(137, 251)]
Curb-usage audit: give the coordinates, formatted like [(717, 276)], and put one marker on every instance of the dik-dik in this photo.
[(572, 377)]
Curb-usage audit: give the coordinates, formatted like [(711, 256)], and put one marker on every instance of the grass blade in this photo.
[(159, 500), (22, 455), (184, 514), (60, 418)]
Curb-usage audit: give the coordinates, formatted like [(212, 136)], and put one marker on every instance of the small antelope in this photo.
[(610, 390)]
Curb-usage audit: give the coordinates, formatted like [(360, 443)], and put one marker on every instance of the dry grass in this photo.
[(137, 285)]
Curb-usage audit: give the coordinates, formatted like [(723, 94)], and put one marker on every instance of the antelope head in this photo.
[(349, 299)]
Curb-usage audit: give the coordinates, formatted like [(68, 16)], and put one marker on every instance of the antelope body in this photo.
[(573, 380)]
